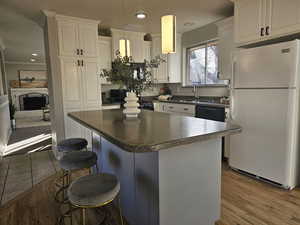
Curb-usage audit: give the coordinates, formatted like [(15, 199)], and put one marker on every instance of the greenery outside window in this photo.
[(202, 65)]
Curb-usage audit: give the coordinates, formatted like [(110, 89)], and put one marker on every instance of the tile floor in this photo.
[(20, 173)]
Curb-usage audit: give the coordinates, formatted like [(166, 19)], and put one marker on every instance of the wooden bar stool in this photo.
[(94, 191)]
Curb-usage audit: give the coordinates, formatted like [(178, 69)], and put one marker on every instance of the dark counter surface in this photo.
[(194, 102), (152, 131)]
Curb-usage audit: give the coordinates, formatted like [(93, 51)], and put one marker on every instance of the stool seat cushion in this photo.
[(93, 190), (78, 160), (72, 144)]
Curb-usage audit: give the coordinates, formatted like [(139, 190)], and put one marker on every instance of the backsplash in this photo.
[(153, 91), (177, 89)]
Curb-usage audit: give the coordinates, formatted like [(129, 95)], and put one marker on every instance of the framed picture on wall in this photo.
[(33, 79)]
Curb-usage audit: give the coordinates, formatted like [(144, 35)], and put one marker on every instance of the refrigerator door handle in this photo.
[(233, 70)]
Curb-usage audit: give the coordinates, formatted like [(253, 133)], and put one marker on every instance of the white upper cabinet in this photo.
[(226, 47), (169, 71), (88, 39), (160, 74), (137, 44), (174, 63), (77, 37), (284, 16), (104, 56), (248, 20), (147, 50), (67, 39), (260, 20)]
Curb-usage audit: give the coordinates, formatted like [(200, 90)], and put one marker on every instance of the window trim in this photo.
[(186, 69)]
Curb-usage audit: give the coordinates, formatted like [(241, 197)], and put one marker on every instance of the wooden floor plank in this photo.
[(245, 201)]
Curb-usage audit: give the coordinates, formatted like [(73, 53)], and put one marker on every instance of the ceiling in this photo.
[(22, 35)]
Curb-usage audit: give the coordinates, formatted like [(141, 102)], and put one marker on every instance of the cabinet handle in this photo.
[(77, 50), (186, 109), (81, 51), (78, 62), (267, 30), (81, 62), (171, 107), (262, 31)]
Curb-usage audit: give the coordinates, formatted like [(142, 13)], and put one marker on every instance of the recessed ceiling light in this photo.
[(141, 15), (34, 54), (32, 60)]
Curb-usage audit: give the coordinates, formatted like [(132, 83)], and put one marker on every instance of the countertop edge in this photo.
[(161, 146), (219, 105)]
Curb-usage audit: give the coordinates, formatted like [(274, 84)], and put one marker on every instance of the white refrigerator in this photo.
[(265, 103)]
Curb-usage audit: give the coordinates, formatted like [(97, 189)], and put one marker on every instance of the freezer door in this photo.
[(269, 66), (265, 145)]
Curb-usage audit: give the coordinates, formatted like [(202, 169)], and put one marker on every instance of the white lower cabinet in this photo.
[(178, 109), (74, 130)]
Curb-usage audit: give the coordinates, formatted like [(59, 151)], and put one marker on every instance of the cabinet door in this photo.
[(249, 19), (104, 57), (91, 84), (284, 17), (147, 50), (225, 50), (67, 35), (88, 37), (71, 82), (160, 74), (174, 63), (136, 48)]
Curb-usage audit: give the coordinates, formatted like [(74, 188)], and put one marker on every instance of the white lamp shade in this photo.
[(124, 47), (168, 34)]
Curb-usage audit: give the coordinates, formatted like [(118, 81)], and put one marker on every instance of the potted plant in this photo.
[(12, 111), (135, 79)]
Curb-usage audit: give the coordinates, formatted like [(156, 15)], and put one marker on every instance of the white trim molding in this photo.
[(24, 63), (2, 46)]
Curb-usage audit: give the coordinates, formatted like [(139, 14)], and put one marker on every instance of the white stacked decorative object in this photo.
[(131, 106)]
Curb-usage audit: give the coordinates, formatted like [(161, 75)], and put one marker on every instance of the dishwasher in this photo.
[(212, 113)]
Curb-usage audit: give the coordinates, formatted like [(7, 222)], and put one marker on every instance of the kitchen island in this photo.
[(169, 166)]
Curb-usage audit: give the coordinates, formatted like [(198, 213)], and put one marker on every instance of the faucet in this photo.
[(195, 92)]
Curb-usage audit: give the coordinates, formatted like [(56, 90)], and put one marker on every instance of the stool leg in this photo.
[(64, 179), (83, 216), (120, 209), (97, 168)]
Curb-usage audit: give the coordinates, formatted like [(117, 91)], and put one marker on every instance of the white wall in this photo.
[(12, 69), (153, 91), (5, 129), (191, 39)]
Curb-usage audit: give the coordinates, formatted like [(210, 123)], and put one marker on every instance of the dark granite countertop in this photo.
[(152, 131), (194, 102)]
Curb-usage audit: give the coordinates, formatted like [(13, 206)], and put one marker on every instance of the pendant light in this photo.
[(124, 47), (168, 34), (124, 44)]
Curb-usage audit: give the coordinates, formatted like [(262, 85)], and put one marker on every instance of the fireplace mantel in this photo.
[(16, 92)]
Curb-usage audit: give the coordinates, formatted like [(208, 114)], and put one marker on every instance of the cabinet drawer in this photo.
[(180, 108)]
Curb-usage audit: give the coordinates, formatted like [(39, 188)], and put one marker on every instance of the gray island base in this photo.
[(169, 166)]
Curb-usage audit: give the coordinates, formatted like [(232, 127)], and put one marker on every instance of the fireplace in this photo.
[(33, 101)]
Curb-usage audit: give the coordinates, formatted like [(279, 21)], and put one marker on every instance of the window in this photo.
[(202, 65)]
